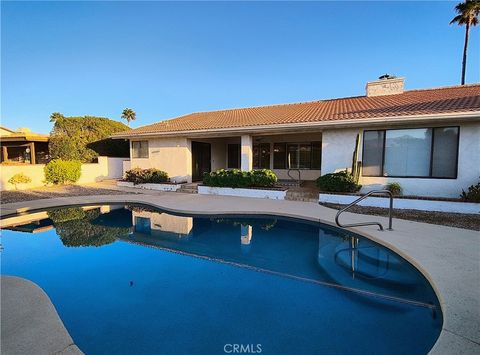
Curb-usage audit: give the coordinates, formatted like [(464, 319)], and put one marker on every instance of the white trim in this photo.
[(354, 122), (405, 203), (239, 192), (158, 187)]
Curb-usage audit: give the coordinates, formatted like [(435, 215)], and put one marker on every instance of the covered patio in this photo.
[(24, 147), (291, 156)]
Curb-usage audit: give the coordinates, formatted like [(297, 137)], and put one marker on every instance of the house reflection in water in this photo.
[(161, 224), (245, 237)]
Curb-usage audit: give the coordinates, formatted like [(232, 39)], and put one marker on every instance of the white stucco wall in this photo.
[(338, 146), (115, 167), (168, 154), (106, 168)]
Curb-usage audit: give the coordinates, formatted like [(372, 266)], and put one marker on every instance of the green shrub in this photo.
[(146, 176), (85, 138), (19, 178), (395, 188), (263, 178), (472, 194), (238, 178), (342, 181), (60, 171)]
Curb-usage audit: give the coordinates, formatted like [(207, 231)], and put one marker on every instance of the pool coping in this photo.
[(458, 299), (30, 322)]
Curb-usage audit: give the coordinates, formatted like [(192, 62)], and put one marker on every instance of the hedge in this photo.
[(60, 171), (146, 176), (238, 178), (342, 181)]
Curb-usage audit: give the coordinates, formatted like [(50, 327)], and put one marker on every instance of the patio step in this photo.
[(306, 196), (189, 189)]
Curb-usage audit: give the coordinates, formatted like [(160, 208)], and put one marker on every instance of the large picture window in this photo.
[(140, 149), (261, 156), (420, 152), (297, 155)]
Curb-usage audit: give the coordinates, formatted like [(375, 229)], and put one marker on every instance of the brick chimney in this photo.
[(385, 85)]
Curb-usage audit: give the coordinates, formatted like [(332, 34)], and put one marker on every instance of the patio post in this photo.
[(246, 155)]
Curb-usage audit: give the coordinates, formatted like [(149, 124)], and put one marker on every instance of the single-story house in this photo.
[(23, 146), (428, 140)]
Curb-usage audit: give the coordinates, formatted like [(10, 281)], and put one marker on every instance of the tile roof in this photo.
[(409, 103)]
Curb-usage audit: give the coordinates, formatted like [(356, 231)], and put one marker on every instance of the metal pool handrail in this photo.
[(367, 223), (299, 181)]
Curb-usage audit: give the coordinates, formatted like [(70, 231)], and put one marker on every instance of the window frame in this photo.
[(140, 142), (382, 170)]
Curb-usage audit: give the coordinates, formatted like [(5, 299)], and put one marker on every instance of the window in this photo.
[(407, 152), (372, 161), (279, 156), (316, 157), (142, 225), (261, 156), (297, 155), (445, 152), (421, 152), (233, 159), (140, 149)]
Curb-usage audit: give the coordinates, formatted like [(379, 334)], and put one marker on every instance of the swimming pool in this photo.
[(135, 280)]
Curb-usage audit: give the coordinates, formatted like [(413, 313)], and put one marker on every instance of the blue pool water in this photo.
[(133, 280)]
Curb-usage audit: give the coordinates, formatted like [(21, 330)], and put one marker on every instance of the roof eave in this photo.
[(349, 123)]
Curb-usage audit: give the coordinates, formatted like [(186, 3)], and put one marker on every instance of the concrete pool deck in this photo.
[(448, 257), (30, 323)]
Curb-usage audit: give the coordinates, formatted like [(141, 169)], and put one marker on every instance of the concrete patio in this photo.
[(448, 257)]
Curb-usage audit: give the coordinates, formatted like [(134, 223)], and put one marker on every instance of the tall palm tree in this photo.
[(467, 15), (129, 115), (54, 117)]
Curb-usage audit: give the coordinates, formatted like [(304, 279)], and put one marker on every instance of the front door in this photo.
[(201, 160)]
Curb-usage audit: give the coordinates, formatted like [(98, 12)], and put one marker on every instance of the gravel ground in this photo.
[(458, 220), (55, 191)]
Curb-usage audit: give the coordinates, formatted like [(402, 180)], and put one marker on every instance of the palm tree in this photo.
[(129, 115), (54, 117), (467, 15)]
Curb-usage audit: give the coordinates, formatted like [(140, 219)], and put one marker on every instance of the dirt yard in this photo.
[(458, 220), (55, 191)]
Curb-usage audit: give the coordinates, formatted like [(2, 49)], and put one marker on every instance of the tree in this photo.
[(56, 116), (85, 138), (467, 15), (129, 115)]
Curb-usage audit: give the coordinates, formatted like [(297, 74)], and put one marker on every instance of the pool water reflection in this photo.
[(131, 279)]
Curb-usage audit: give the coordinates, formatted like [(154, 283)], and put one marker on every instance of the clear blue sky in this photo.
[(168, 59)]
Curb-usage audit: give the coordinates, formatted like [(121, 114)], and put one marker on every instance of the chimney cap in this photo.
[(386, 76)]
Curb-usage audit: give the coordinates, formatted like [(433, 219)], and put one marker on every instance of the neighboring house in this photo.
[(427, 140), (23, 146)]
